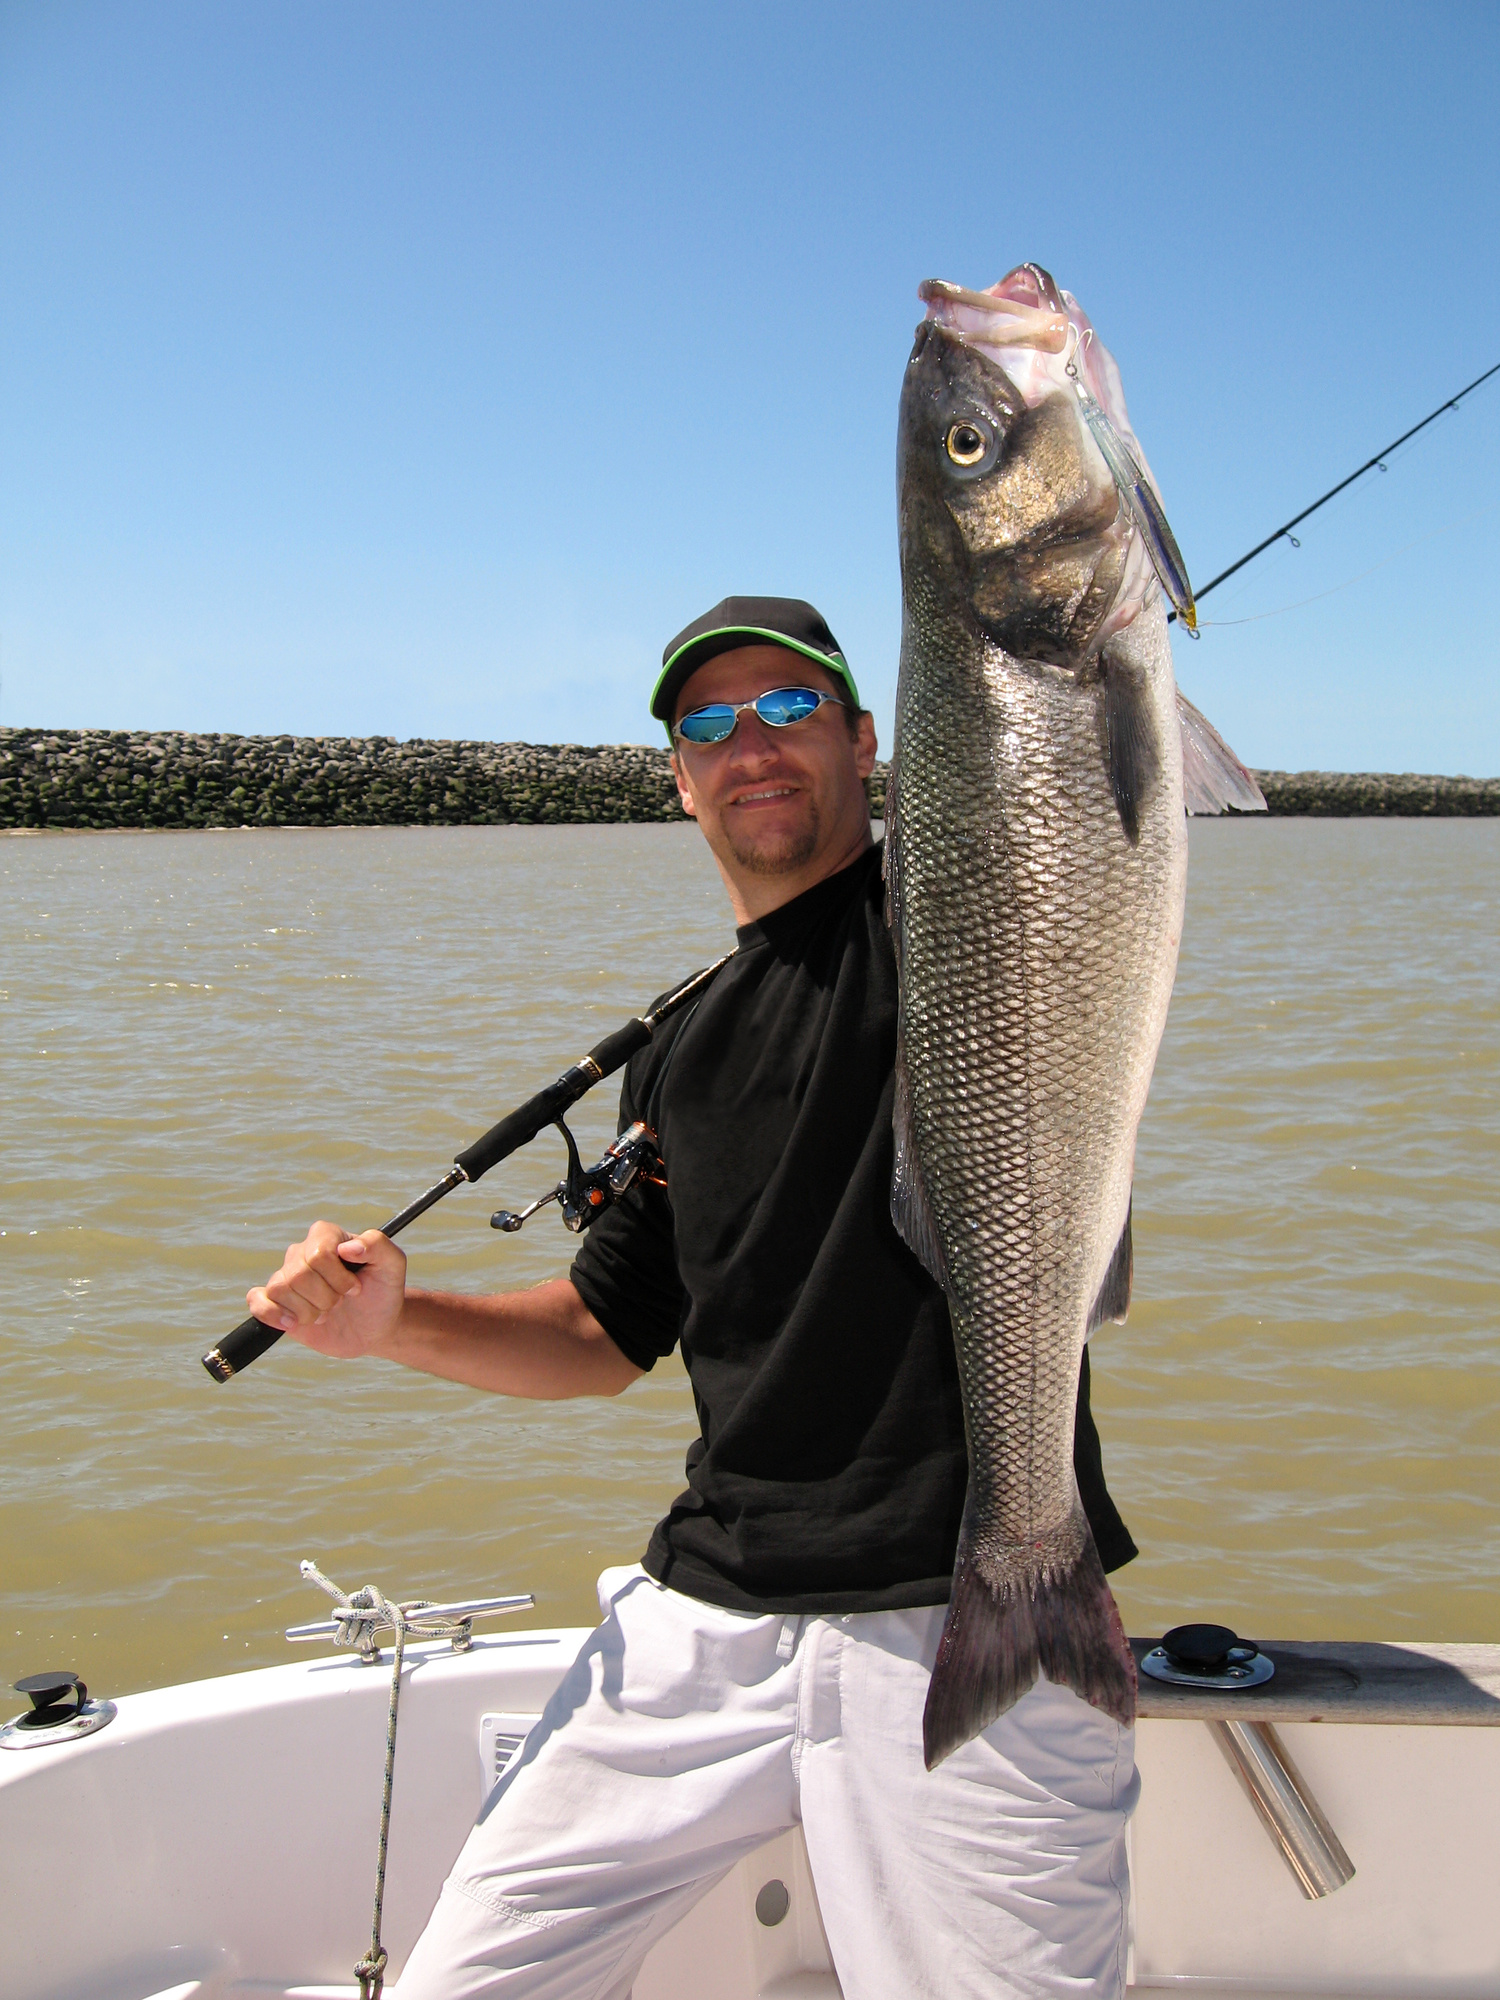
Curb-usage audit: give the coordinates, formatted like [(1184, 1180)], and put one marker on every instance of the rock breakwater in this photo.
[(1371, 794), (98, 778), (103, 778)]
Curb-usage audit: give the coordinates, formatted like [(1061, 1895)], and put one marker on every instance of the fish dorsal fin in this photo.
[(909, 1207), (1213, 778), (1113, 1301), (891, 862)]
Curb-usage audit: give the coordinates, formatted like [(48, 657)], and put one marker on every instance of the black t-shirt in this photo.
[(831, 1469)]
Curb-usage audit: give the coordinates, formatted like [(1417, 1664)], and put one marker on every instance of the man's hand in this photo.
[(336, 1293), (346, 1295)]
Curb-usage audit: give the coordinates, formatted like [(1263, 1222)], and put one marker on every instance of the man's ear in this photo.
[(682, 785), (865, 744)]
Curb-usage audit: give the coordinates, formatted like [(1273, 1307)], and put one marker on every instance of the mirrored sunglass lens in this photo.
[(707, 725), (784, 705)]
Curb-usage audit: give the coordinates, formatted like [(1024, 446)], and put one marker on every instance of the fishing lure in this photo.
[(1139, 495)]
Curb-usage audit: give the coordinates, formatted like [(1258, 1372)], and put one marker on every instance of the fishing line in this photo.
[(1369, 465), (1348, 583)]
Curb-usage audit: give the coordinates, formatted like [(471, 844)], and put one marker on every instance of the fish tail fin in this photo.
[(1063, 1623)]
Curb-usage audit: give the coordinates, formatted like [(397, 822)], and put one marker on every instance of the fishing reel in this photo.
[(586, 1192)]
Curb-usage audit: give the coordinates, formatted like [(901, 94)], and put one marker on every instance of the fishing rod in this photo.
[(584, 1192), (1333, 491)]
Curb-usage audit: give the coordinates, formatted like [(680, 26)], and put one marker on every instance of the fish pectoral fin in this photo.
[(1133, 745), (1113, 1300), (909, 1209), (1213, 778)]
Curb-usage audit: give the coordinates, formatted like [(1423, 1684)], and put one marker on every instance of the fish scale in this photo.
[(1036, 856)]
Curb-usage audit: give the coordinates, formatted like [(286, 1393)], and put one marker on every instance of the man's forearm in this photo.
[(544, 1344)]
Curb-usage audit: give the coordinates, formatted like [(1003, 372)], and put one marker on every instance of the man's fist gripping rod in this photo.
[(252, 1337)]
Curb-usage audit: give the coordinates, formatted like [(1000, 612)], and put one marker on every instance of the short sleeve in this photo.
[(626, 1270)]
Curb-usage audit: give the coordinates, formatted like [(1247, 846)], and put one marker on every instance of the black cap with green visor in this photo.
[(747, 621)]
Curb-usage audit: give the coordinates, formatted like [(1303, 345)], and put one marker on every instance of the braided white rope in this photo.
[(358, 1618)]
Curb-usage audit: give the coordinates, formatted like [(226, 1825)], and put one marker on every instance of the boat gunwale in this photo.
[(1328, 1680)]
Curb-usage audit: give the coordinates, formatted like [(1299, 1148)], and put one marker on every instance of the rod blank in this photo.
[(1333, 491)]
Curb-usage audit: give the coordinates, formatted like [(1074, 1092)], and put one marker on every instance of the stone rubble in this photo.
[(101, 778)]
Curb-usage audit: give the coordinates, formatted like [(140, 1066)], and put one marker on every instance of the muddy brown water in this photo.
[(208, 1039)]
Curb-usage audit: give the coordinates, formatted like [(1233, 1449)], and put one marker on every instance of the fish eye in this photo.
[(966, 443)]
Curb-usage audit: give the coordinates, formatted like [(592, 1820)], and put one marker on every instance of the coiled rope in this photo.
[(358, 1618)]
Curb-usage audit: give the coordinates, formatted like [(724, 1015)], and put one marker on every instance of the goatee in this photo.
[(781, 854)]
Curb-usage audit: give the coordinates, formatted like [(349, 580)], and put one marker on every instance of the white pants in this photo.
[(683, 1737)]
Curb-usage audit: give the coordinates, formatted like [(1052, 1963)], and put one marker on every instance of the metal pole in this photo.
[(1292, 1816)]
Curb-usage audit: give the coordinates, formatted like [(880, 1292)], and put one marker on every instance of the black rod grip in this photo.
[(616, 1050), (252, 1337), (520, 1126), (237, 1350)]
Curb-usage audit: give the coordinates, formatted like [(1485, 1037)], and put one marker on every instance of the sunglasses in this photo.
[(779, 709)]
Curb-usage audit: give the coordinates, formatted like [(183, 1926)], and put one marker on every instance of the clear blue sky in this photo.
[(419, 369)]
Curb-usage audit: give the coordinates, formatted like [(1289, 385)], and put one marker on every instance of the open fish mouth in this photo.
[(998, 317)]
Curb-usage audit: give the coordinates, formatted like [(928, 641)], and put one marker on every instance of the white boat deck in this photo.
[(217, 1841)]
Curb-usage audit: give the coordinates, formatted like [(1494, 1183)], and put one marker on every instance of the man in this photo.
[(768, 1661)]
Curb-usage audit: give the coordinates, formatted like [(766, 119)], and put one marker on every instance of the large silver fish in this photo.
[(1036, 867)]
